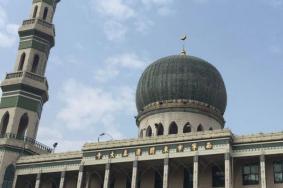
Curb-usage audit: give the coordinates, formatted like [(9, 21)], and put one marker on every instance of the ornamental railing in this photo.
[(28, 75), (27, 140), (38, 21)]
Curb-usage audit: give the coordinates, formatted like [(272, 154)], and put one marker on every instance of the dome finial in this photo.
[(184, 38)]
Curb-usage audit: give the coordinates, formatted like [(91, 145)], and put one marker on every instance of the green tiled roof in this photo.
[(181, 77)]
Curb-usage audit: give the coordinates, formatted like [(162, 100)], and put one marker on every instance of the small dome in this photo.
[(181, 77)]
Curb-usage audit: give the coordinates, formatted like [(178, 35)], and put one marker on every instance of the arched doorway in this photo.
[(9, 176)]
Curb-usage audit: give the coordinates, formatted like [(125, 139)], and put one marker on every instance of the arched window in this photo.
[(200, 128), (23, 126), (22, 61), (35, 11), (45, 13), (211, 129), (148, 131), (173, 129), (9, 176), (35, 64), (141, 134), (4, 123), (159, 129), (187, 128)]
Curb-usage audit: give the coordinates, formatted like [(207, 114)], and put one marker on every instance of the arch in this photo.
[(158, 180), (187, 128), (112, 182), (22, 62), (148, 131), (9, 176), (96, 179), (210, 128), (200, 128), (4, 123), (35, 64), (159, 129), (188, 177), (23, 125), (53, 185), (35, 11), (158, 176), (218, 176), (45, 13), (173, 128)]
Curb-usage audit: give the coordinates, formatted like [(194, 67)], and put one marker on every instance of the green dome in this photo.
[(181, 77)]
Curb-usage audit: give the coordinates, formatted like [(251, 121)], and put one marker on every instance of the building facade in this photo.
[(182, 140)]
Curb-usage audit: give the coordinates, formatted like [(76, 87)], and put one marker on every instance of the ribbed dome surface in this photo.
[(181, 77)]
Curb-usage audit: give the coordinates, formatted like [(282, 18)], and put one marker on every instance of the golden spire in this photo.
[(184, 38)]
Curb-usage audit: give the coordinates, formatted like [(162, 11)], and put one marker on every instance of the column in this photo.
[(134, 174), (15, 181), (195, 176), (165, 173), (107, 176), (37, 183), (88, 176), (262, 171), (227, 170), (80, 177), (62, 179)]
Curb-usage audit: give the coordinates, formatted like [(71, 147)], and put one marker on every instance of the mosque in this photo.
[(182, 140)]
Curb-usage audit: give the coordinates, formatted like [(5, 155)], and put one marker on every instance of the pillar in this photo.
[(37, 183), (62, 179), (107, 176), (195, 175), (15, 181), (80, 177), (165, 173), (88, 176), (134, 174), (227, 162), (262, 171)]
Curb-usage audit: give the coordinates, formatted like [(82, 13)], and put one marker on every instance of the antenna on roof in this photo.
[(183, 39)]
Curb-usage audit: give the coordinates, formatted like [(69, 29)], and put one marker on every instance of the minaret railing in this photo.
[(38, 21), (27, 140), (29, 75)]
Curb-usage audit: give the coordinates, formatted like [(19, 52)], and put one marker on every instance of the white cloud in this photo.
[(8, 31), (123, 16), (86, 106), (162, 6), (114, 65), (49, 136), (276, 49), (115, 30), (274, 3), (114, 9)]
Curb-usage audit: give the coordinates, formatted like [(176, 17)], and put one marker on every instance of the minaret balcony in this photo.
[(38, 24), (27, 77), (24, 143), (32, 80)]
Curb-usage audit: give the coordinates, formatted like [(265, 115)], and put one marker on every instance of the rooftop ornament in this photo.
[(104, 134), (184, 38)]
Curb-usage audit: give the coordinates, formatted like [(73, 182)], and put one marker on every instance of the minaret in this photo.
[(25, 90)]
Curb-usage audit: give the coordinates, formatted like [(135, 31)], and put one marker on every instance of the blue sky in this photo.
[(103, 46)]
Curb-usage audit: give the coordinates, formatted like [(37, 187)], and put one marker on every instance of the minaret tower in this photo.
[(25, 90)]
